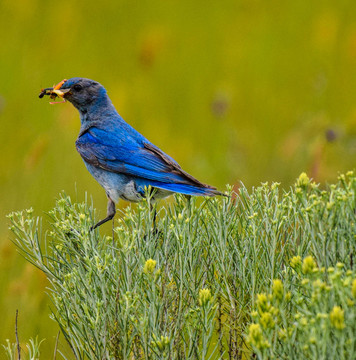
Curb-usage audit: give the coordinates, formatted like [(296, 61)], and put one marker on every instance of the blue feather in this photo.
[(129, 157)]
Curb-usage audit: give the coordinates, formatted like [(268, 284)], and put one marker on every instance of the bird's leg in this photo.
[(110, 214), (113, 231)]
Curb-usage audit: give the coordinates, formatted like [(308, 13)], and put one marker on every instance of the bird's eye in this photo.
[(77, 87)]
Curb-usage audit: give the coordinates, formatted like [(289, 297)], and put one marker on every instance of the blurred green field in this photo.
[(235, 91)]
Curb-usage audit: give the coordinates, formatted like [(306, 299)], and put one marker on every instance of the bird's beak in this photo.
[(59, 92)]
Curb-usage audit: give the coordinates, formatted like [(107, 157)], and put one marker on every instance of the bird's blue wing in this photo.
[(131, 154)]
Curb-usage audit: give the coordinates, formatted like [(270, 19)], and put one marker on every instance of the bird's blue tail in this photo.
[(185, 188)]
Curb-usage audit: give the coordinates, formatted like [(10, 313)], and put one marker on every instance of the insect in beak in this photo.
[(55, 91)]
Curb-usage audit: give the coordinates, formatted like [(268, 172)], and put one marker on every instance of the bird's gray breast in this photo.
[(115, 185), (130, 193)]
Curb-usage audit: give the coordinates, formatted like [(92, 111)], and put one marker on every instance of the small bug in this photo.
[(51, 92)]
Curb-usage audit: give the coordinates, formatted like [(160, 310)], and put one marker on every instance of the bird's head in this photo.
[(81, 92)]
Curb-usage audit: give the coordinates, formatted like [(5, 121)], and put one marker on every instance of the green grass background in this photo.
[(242, 90)]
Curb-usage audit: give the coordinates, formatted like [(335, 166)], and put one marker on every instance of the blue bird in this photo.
[(120, 159)]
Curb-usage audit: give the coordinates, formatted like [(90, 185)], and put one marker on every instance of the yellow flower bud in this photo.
[(308, 265), (262, 303), (288, 296), (274, 311), (353, 288), (277, 289), (303, 180), (267, 321), (319, 285), (329, 205), (255, 337), (312, 340), (150, 266), (303, 321), (337, 318), (282, 334), (161, 343), (204, 297), (295, 261)]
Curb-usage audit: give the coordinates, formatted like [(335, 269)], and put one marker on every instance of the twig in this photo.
[(351, 260), (220, 332), (56, 346), (17, 338)]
